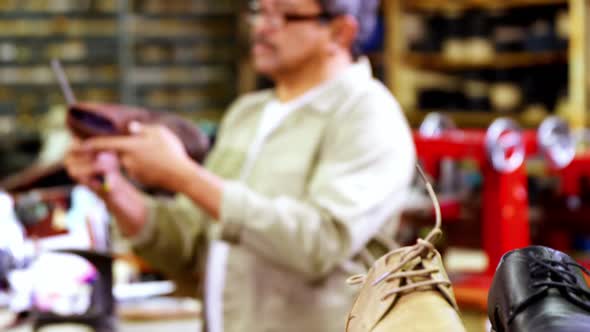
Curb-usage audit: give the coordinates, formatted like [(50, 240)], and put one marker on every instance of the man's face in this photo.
[(286, 34)]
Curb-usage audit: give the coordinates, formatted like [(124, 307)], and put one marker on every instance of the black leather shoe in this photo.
[(539, 289)]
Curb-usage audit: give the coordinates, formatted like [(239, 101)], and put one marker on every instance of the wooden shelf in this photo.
[(24, 15), (471, 4), (44, 62), (399, 63), (464, 119), (188, 16), (27, 87), (55, 38), (499, 61)]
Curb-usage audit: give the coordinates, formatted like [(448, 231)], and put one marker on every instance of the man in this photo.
[(299, 181)]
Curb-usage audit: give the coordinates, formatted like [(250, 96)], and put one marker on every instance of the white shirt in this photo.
[(273, 115)]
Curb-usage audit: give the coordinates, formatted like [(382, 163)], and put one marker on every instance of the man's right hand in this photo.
[(91, 169), (123, 200)]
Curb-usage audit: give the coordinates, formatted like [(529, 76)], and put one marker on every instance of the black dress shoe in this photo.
[(539, 289)]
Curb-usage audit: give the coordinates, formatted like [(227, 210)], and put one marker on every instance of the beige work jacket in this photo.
[(330, 178)]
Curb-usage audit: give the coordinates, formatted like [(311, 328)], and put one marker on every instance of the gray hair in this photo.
[(365, 12)]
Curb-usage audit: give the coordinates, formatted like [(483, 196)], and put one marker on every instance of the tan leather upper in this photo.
[(381, 307)]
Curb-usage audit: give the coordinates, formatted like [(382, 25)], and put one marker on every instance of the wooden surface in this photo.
[(499, 61), (150, 315), (162, 309), (471, 298), (161, 325), (475, 321), (577, 116), (472, 119)]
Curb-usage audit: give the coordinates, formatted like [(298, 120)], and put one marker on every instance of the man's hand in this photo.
[(152, 155), (124, 201), (155, 156), (91, 169)]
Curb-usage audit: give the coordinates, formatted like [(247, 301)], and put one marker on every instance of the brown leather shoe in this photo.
[(407, 290), (94, 119)]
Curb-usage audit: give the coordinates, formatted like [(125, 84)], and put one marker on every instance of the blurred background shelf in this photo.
[(189, 16), (471, 4), (20, 15), (498, 61), (473, 119), (177, 51), (55, 38), (482, 59), (146, 53)]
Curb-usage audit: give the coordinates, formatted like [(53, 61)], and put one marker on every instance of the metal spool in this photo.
[(505, 145), (556, 142), (435, 124)]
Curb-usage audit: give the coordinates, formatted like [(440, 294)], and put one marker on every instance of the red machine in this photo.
[(572, 174), (565, 214), (500, 152)]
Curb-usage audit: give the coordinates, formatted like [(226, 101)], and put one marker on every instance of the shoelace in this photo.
[(423, 249), (552, 273)]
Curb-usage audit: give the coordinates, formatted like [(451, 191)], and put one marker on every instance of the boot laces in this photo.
[(412, 256)]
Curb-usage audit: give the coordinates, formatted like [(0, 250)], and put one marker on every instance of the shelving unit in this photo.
[(500, 61), (83, 35), (470, 4), (176, 55), (181, 56), (404, 64)]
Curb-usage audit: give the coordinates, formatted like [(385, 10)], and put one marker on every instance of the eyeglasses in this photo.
[(256, 17)]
